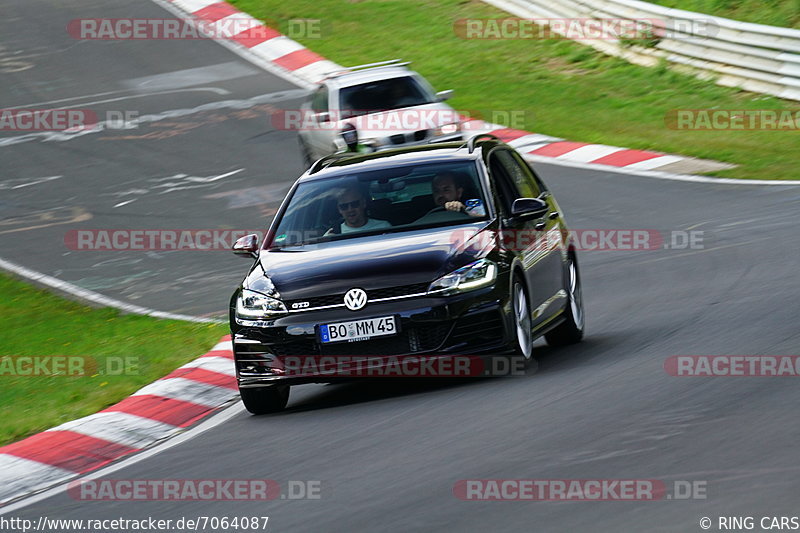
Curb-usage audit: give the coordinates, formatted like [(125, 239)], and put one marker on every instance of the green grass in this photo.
[(773, 12), (37, 323), (568, 89)]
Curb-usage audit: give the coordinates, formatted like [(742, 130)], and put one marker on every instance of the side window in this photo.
[(536, 183), (520, 174), (319, 102), (506, 191)]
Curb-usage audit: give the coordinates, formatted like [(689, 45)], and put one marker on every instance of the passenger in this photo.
[(447, 193), (352, 205)]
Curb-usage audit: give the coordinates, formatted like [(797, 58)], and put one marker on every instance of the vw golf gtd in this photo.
[(419, 251)]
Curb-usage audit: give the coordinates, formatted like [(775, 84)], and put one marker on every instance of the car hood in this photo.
[(404, 120), (371, 262)]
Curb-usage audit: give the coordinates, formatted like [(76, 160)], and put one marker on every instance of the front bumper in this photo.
[(475, 324)]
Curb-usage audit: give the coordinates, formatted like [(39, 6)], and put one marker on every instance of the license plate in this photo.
[(358, 330)]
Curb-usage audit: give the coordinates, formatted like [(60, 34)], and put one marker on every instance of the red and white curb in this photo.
[(298, 62), (160, 410)]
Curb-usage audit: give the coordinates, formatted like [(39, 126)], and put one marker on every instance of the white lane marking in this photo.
[(220, 365), (181, 79), (188, 390), (121, 428), (47, 136), (533, 138), (202, 181), (94, 297), (317, 70), (240, 22), (226, 346), (195, 5), (657, 174), (26, 183), (215, 90), (19, 476), (244, 52), (588, 153), (276, 47), (651, 164), (235, 409), (692, 252), (36, 104)]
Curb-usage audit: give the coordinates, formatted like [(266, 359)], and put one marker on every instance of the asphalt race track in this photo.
[(388, 454)]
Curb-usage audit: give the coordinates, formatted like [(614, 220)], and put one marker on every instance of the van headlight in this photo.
[(254, 305), (475, 275)]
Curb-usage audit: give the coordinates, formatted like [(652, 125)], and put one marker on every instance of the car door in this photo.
[(534, 241)]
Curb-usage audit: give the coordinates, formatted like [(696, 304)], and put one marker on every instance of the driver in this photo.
[(447, 192), (352, 205)]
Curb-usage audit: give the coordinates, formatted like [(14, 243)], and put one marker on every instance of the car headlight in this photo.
[(447, 129), (251, 304), (473, 276)]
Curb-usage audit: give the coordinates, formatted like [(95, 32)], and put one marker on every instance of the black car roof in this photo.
[(448, 151)]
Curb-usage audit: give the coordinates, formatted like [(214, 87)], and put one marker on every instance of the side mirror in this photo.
[(529, 208), (323, 117), (444, 95), (246, 246)]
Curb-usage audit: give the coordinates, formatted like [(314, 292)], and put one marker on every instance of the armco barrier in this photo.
[(754, 57)]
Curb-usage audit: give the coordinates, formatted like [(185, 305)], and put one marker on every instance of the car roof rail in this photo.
[(327, 160), (470, 144), (367, 66)]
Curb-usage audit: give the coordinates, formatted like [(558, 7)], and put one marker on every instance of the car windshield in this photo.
[(382, 95), (380, 201)]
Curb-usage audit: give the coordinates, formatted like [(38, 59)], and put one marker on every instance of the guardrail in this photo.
[(754, 57)]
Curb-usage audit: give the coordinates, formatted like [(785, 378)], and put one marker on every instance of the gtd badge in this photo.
[(355, 299)]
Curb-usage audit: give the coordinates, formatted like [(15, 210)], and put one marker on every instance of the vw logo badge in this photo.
[(355, 299)]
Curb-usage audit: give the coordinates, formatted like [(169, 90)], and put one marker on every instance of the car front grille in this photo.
[(403, 138), (415, 339), (372, 295)]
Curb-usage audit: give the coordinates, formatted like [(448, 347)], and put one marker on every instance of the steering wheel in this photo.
[(436, 210)]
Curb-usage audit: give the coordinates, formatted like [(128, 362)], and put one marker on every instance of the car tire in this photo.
[(570, 331), (523, 342), (263, 400)]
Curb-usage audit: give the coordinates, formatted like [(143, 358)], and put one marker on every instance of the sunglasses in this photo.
[(349, 205)]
